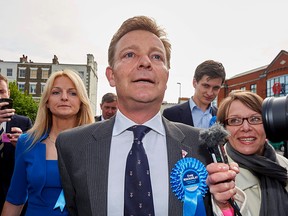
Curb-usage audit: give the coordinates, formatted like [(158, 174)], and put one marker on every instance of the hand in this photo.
[(5, 114), (221, 182), (13, 136)]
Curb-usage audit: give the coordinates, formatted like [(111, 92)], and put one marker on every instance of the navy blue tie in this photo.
[(138, 197)]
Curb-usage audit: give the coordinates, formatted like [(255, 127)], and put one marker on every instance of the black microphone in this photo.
[(214, 138)]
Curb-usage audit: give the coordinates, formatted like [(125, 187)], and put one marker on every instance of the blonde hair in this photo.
[(43, 121)]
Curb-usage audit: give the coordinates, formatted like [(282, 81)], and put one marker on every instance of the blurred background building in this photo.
[(31, 77)]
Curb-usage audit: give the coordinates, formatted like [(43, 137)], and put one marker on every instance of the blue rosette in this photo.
[(188, 182)]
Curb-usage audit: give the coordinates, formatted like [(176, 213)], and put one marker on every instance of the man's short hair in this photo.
[(4, 79), (139, 23), (109, 98), (210, 68)]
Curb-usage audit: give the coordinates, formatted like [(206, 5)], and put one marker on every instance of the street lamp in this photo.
[(179, 90)]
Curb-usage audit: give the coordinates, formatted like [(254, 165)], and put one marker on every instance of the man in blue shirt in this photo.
[(199, 111)]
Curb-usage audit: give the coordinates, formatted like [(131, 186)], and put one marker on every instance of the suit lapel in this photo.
[(174, 138), (186, 115), (176, 142), (97, 166)]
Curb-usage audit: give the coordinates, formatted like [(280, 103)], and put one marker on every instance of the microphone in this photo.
[(215, 137)]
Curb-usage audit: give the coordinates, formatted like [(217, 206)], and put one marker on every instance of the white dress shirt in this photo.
[(155, 146)]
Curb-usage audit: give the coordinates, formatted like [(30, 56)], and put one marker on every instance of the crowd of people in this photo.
[(72, 163)]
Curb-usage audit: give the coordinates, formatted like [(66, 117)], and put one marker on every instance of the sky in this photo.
[(242, 35)]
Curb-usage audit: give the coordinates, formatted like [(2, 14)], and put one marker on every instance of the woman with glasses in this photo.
[(262, 179)]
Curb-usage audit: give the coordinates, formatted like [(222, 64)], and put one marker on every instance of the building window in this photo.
[(22, 72), (33, 73), (277, 86), (21, 86), (45, 73), (243, 88), (42, 87), (9, 72), (253, 88), (32, 88)]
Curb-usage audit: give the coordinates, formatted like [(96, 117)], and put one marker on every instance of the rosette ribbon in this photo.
[(188, 182), (212, 121), (60, 201)]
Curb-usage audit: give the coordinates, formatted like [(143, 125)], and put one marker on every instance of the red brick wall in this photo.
[(278, 67)]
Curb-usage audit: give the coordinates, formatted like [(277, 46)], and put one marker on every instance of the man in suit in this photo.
[(92, 159), (108, 107), (13, 125), (199, 111)]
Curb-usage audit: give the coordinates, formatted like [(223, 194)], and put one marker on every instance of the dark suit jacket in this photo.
[(97, 118), (83, 157), (7, 162), (182, 113)]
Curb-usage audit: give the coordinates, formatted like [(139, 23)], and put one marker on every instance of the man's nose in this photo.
[(210, 91), (144, 62)]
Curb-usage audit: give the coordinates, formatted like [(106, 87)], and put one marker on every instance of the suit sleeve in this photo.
[(29, 124), (69, 191)]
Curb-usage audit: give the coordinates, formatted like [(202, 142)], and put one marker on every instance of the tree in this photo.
[(23, 103)]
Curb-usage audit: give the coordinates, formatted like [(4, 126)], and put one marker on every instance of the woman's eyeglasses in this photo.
[(237, 121)]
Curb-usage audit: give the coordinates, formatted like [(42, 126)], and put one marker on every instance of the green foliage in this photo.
[(23, 103)]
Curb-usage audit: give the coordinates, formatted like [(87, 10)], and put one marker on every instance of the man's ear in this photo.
[(110, 76), (194, 83)]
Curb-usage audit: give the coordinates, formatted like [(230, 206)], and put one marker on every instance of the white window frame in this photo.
[(42, 87), (22, 69), (21, 83), (30, 85), (7, 74), (45, 70), (33, 69)]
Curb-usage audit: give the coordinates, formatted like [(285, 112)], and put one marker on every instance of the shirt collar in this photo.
[(193, 105), (122, 123)]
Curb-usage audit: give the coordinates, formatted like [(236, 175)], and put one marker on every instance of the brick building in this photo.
[(31, 76), (267, 81)]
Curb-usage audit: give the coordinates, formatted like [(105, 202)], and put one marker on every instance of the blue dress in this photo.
[(35, 180)]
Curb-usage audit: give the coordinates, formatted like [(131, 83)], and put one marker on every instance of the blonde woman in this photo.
[(64, 105)]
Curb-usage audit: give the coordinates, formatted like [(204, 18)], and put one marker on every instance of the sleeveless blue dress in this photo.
[(35, 180)]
